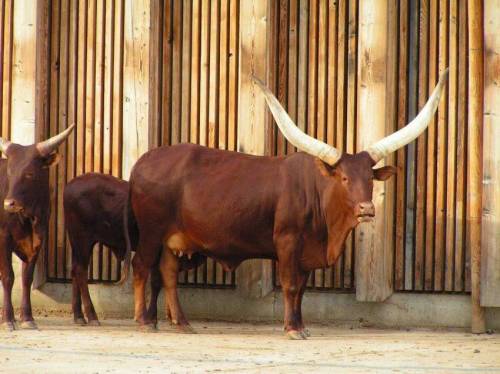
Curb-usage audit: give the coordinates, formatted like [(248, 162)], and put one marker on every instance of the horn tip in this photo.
[(444, 75), (258, 81)]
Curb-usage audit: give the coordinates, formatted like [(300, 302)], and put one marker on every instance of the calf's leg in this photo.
[(169, 266), (28, 268), (7, 274)]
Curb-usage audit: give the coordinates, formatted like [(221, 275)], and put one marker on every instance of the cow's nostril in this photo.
[(10, 205)]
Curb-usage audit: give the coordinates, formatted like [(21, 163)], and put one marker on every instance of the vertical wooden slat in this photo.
[(167, 62), (452, 147), (213, 112), (474, 170), (223, 81), (399, 254), (82, 87), (195, 72), (293, 57), (331, 119), (90, 92), (7, 42), (282, 61), (303, 61), (233, 73), (312, 70), (321, 82), (156, 26), (204, 71), (186, 77), (176, 109), (421, 154)]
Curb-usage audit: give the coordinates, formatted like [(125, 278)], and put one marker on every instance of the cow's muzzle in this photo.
[(365, 212), (12, 206)]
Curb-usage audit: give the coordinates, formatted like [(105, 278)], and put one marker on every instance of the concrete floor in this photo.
[(117, 347)]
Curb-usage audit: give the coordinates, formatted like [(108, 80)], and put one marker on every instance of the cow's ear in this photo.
[(51, 159), (384, 173)]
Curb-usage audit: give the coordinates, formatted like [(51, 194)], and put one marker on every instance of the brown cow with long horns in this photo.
[(230, 206), (24, 215)]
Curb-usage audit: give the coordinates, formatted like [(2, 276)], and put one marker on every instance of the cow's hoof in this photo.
[(8, 326), (28, 325), (80, 321), (149, 327), (185, 329), (306, 332), (296, 335), (94, 322)]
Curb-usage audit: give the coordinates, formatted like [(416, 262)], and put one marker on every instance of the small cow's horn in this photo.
[(4, 144), (48, 146), (299, 139), (411, 131)]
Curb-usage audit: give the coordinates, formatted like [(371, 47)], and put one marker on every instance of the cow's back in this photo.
[(93, 207)]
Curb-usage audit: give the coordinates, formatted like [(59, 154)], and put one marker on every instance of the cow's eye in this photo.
[(344, 179)]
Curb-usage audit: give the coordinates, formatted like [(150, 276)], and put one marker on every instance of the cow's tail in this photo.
[(128, 224)]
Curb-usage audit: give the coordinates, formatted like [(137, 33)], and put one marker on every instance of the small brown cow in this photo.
[(93, 213), (24, 215), (231, 206)]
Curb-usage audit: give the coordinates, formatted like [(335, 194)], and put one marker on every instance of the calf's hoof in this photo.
[(80, 321), (185, 329), (296, 335), (94, 322), (28, 325), (148, 328), (8, 326)]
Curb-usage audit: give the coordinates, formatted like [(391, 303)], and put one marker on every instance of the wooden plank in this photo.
[(90, 82), (223, 76), (155, 69), (474, 170), (331, 118), (213, 110), (421, 154), (460, 219), (186, 77), (373, 258), (293, 58), (195, 72), (490, 257), (430, 225), (204, 71), (302, 68), (82, 88), (136, 78), (321, 80), (177, 45), (441, 150), (282, 66), (42, 93), (7, 40), (234, 33), (108, 86), (99, 87), (166, 90), (402, 118), (452, 148), (312, 69)]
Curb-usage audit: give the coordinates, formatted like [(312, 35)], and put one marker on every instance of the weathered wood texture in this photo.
[(314, 75), (6, 47), (490, 241), (86, 78), (431, 251), (193, 89)]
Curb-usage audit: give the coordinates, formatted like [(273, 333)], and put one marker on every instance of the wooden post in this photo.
[(475, 11), (135, 83), (490, 238), (155, 69), (374, 256), (253, 277), (42, 110)]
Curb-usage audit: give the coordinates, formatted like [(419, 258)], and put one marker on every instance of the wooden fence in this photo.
[(6, 46)]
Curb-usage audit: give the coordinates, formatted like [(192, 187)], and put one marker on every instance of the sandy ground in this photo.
[(117, 347)]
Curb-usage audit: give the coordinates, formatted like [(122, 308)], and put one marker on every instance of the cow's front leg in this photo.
[(7, 274), (169, 266), (291, 278), (303, 277), (28, 268)]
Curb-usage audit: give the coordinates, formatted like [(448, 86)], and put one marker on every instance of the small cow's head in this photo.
[(27, 171), (349, 177)]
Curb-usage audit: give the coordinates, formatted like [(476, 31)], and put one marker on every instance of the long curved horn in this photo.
[(297, 137), (4, 144), (411, 131), (48, 146)]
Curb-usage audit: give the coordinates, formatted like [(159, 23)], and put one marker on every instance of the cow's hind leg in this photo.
[(303, 277), (170, 266), (141, 273), (7, 274), (82, 250), (27, 321), (156, 285), (291, 277)]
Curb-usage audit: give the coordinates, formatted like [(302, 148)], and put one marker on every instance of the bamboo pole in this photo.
[(475, 9)]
